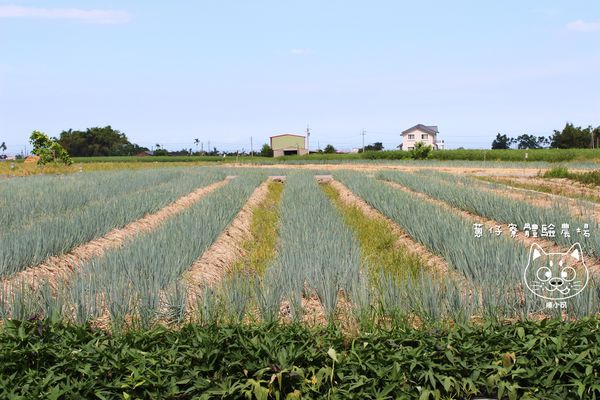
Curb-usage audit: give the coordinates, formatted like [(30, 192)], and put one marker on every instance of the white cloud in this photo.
[(76, 14), (299, 51), (583, 26)]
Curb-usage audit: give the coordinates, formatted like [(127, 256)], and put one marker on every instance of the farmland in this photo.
[(234, 281)]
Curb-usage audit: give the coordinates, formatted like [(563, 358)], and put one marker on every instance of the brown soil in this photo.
[(227, 249), (551, 247), (60, 267)]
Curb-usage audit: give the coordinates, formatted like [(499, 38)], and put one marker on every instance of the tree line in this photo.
[(106, 141), (570, 137)]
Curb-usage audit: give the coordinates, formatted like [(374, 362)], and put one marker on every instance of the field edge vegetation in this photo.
[(45, 359)]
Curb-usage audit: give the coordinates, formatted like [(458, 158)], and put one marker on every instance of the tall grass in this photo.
[(378, 242), (316, 251), (465, 194), (493, 265), (39, 196), (68, 211), (129, 280)]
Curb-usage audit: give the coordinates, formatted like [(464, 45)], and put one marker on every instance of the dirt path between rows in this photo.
[(593, 264), (60, 267), (219, 259)]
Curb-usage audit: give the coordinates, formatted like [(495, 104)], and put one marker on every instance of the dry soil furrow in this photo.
[(56, 267), (435, 263), (227, 249), (593, 264)]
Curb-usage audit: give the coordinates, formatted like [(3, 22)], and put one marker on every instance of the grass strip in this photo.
[(260, 247), (377, 240), (588, 178)]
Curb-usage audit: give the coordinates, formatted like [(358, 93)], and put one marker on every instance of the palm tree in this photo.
[(196, 142), (157, 146), (3, 146)]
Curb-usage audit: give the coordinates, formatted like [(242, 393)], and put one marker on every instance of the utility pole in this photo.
[(209, 151), (307, 138), (251, 148), (364, 132)]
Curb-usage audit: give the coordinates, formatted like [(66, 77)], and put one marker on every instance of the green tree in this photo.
[(377, 146), (501, 142), (526, 141), (266, 151), (572, 137), (48, 150), (329, 149), (98, 141), (420, 151), (596, 137), (3, 146)]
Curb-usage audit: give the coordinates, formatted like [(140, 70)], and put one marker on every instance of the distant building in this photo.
[(288, 145), (145, 153), (421, 133)]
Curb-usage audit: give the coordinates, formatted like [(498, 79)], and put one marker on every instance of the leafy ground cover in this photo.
[(525, 360)]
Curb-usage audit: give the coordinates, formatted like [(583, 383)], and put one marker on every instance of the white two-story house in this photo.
[(421, 133)]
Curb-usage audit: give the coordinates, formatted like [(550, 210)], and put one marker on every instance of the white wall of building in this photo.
[(417, 135)]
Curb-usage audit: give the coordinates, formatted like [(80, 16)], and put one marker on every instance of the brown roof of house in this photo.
[(286, 134)]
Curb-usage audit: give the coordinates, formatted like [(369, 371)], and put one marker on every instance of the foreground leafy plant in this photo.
[(548, 359)]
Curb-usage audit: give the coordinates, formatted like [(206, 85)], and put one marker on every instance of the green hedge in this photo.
[(549, 155), (549, 360)]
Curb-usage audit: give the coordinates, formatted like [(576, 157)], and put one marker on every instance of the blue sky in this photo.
[(224, 71)]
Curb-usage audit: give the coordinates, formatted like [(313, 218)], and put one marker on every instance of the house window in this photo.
[(424, 136), (411, 137)]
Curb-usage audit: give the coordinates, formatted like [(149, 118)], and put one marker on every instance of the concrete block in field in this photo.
[(277, 178), (324, 178)]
